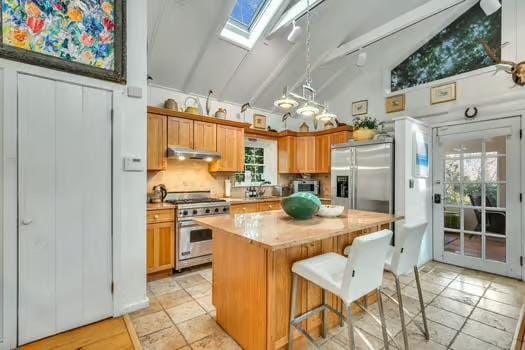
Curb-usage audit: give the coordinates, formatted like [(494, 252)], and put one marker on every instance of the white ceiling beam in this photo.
[(222, 18), (296, 11), (404, 21)]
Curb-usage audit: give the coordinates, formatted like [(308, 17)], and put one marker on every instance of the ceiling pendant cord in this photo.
[(308, 42)]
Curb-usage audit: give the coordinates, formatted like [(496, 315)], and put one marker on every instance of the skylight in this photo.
[(248, 21), (245, 12)]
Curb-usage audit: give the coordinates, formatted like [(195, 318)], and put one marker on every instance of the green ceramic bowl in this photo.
[(301, 206)]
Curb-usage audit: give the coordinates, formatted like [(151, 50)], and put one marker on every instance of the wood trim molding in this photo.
[(201, 118)]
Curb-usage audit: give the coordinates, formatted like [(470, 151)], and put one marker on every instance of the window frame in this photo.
[(270, 162)]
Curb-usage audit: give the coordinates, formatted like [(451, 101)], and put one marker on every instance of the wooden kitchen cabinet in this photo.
[(340, 137), (305, 154), (267, 206), (160, 254), (286, 154), (180, 132), (244, 208), (204, 136), (230, 144), (157, 142), (322, 154)]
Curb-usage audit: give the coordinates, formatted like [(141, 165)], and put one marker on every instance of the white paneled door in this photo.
[(65, 268), (477, 194)]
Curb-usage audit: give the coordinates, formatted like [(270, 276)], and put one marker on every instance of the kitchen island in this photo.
[(252, 259)]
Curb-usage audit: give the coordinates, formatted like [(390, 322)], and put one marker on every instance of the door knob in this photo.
[(26, 221)]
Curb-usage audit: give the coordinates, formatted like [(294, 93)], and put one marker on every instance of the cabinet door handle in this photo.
[(156, 216)]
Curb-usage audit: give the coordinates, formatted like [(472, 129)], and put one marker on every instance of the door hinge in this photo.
[(521, 260), (112, 287)]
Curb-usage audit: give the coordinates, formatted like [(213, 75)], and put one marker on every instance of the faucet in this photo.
[(261, 192)]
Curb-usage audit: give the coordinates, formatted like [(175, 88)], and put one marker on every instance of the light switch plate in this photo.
[(133, 163), (134, 91)]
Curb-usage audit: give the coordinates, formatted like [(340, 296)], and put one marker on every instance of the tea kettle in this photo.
[(194, 107), (159, 193)]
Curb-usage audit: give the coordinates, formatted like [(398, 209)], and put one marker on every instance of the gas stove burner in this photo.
[(195, 200)]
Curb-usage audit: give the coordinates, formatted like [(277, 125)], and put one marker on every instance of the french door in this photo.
[(477, 186), (64, 268)]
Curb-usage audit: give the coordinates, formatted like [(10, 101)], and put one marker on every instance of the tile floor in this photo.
[(466, 309)]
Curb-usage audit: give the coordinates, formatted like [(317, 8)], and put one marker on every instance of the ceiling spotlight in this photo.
[(361, 59), (490, 6), (325, 116), (285, 103), (295, 33), (308, 110)]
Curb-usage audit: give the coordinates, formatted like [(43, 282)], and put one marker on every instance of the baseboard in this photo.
[(134, 307)]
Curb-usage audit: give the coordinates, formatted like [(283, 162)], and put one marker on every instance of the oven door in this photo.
[(194, 240)]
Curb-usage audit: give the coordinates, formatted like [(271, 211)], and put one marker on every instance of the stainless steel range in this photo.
[(193, 242)]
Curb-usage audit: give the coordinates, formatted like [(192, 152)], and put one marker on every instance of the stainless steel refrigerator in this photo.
[(363, 175)]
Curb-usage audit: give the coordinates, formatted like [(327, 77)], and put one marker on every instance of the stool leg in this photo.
[(349, 320), (383, 321), (401, 312), (422, 303), (293, 302), (325, 314)]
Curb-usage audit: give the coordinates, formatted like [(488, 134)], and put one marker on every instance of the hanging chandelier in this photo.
[(309, 107)]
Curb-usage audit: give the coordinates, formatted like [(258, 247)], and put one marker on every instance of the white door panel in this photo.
[(477, 222), (65, 189)]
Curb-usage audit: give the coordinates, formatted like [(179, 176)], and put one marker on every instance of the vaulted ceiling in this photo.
[(186, 52)]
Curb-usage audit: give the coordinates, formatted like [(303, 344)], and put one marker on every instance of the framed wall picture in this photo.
[(80, 37), (259, 121), (421, 165), (395, 103), (443, 93), (360, 107)]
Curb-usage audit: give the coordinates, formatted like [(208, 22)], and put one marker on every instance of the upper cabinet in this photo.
[(180, 132), (286, 155), (322, 154), (205, 136), (305, 154), (157, 140), (230, 144)]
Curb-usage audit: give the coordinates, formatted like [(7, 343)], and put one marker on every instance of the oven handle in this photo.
[(187, 223)]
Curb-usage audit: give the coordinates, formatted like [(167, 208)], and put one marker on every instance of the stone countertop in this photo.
[(160, 206), (239, 200), (275, 230)]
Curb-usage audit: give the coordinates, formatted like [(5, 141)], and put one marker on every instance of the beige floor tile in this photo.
[(464, 342), (449, 267), (218, 340), (510, 282), (411, 291), (342, 339), (200, 290), (188, 281), (454, 306), (198, 328), (429, 287), (166, 339), (504, 288), (207, 274), (511, 299), (406, 279), (438, 333), (474, 280), (173, 299), (495, 320), (416, 340), (445, 317), (488, 334), (467, 288), (499, 308), (433, 278), (478, 274), (164, 286), (186, 311), (331, 344), (154, 306), (151, 323), (444, 273), (460, 296), (206, 303)]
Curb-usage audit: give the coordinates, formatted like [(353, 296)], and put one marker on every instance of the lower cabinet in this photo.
[(254, 207), (160, 243)]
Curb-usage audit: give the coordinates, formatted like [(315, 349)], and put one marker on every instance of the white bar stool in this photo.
[(348, 278), (401, 260)]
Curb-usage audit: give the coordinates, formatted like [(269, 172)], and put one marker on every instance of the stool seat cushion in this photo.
[(325, 270)]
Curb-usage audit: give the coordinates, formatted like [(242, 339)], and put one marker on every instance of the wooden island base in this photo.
[(252, 285)]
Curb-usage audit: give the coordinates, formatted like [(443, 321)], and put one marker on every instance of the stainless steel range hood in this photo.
[(186, 153)]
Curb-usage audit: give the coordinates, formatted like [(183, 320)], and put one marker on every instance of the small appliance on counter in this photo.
[(306, 185), (159, 193), (227, 188)]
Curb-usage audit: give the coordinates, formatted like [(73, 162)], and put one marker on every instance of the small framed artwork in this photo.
[(80, 37), (360, 107), (259, 121), (395, 103), (443, 93)]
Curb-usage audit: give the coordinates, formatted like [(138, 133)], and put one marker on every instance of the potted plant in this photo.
[(365, 128)]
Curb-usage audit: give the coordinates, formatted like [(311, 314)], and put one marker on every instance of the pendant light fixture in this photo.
[(289, 100)]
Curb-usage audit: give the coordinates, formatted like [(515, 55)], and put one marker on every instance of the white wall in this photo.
[(158, 94), (129, 138), (481, 88)]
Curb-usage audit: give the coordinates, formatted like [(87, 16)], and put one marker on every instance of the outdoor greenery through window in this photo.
[(455, 50), (253, 166)]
